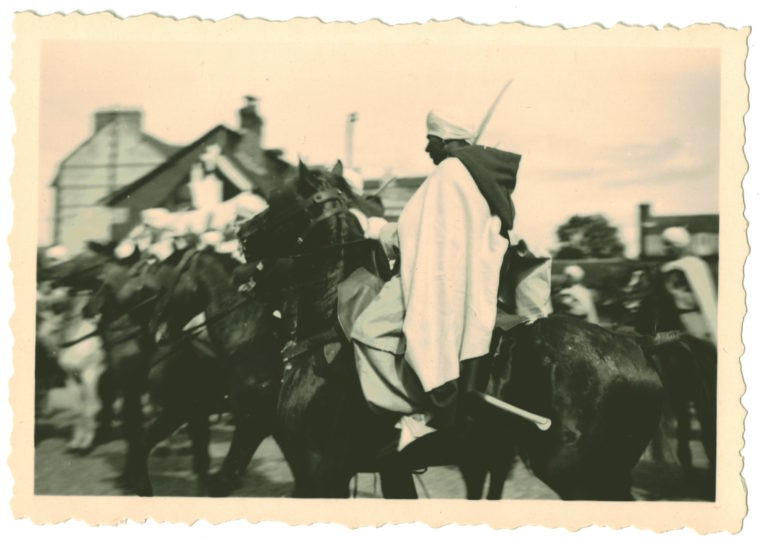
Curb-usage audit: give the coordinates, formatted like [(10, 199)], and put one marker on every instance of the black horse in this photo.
[(603, 396), (172, 375), (243, 336), (688, 370)]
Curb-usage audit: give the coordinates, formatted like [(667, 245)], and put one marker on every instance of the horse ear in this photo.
[(338, 168), (303, 170)]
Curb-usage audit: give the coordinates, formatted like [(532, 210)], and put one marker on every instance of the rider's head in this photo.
[(573, 274), (445, 132), (676, 240)]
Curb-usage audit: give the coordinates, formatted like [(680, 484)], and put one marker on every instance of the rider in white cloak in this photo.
[(689, 282), (576, 297), (452, 237)]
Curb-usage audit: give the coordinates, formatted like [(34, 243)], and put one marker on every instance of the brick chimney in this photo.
[(130, 117), (249, 151), (249, 115)]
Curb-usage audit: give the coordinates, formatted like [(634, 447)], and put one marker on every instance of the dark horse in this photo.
[(602, 395), (243, 338), (688, 371), (173, 376)]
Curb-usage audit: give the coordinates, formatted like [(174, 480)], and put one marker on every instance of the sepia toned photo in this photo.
[(283, 261)]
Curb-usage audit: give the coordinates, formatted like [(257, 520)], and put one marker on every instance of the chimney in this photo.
[(644, 213), (130, 117), (249, 115), (249, 150), (350, 140)]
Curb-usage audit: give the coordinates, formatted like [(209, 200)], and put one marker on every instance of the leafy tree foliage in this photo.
[(588, 236)]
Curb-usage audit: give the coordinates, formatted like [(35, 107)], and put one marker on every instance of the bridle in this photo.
[(304, 209)]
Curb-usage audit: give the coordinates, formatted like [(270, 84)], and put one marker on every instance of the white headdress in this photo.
[(449, 125), (574, 272), (677, 237)]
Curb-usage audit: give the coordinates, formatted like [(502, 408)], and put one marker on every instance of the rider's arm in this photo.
[(386, 233)]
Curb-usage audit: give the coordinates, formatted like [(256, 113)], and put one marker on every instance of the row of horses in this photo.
[(276, 360)]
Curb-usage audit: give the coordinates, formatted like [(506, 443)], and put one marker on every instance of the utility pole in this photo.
[(350, 135)]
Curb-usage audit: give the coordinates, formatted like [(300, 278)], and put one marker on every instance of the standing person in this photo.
[(452, 238), (576, 297), (688, 280)]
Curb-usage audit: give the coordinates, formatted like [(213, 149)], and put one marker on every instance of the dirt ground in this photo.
[(58, 472)]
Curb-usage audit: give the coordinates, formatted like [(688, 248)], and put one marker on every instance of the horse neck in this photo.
[(214, 279), (318, 281)]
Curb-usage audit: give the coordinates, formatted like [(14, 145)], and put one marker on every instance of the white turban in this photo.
[(124, 249), (574, 272), (211, 238), (449, 125), (162, 250), (156, 217), (677, 237), (57, 252)]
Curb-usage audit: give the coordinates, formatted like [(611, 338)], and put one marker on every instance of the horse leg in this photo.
[(298, 461), (164, 424), (252, 426), (107, 391), (682, 412), (397, 484), (200, 435), (331, 478), (473, 472), (500, 470), (132, 417)]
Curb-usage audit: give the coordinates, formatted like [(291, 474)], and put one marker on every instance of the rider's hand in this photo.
[(389, 240)]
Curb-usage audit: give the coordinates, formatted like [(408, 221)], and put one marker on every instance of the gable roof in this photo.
[(156, 185)]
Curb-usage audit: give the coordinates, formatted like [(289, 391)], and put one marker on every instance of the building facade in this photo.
[(704, 231), (235, 158), (117, 153)]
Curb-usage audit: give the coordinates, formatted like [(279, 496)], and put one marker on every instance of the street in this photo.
[(58, 472)]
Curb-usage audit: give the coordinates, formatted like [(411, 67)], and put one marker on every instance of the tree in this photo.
[(588, 236)]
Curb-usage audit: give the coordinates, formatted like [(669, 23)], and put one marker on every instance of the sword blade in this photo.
[(489, 114)]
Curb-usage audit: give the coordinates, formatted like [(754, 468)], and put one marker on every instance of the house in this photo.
[(117, 153), (704, 231), (236, 158)]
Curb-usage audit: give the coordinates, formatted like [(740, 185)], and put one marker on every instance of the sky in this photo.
[(600, 129)]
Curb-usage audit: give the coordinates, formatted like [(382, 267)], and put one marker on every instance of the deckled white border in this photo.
[(570, 14)]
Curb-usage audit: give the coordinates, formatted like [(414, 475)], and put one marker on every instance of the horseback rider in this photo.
[(453, 238), (576, 297), (688, 281)]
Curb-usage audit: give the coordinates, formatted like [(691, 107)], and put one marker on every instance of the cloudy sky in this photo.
[(601, 129)]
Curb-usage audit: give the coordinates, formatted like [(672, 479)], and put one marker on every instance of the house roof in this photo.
[(156, 185), (692, 223)]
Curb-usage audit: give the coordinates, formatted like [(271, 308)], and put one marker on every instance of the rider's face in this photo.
[(436, 148)]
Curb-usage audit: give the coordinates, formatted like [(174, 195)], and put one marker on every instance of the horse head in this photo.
[(308, 221), (114, 274)]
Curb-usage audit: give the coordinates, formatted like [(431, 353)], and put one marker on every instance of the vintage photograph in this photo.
[(426, 262)]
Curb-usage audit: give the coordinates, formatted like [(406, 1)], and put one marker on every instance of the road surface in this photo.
[(58, 472)]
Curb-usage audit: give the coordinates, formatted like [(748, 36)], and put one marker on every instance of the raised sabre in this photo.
[(490, 112), (474, 139)]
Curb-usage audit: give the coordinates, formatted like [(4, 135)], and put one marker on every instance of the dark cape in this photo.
[(495, 174)]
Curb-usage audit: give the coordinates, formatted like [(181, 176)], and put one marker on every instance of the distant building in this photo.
[(236, 157), (395, 194), (704, 231), (115, 154)]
